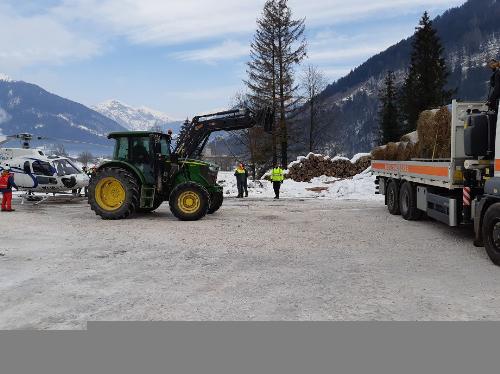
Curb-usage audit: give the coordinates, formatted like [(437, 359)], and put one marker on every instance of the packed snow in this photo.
[(360, 187)]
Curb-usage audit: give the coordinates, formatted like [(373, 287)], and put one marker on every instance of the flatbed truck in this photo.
[(461, 190)]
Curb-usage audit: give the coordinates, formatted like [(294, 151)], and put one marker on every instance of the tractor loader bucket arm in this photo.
[(195, 134)]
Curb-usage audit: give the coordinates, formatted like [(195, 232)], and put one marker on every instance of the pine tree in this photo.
[(277, 47), (424, 87), (388, 116)]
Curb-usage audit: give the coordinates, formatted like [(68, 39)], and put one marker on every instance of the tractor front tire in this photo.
[(113, 193), (216, 202), (189, 201)]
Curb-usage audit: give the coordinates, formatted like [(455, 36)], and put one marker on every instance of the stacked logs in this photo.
[(313, 166), (432, 140)]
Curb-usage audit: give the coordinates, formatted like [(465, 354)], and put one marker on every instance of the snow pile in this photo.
[(360, 187)]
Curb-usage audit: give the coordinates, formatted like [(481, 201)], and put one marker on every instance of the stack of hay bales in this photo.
[(313, 166), (432, 140)]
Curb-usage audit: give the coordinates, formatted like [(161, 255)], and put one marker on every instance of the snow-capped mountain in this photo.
[(136, 119), (26, 107)]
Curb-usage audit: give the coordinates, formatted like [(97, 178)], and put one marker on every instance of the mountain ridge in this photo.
[(470, 35)]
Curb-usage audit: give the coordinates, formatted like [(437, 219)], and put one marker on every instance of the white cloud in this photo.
[(166, 22), (38, 39), (77, 29), (227, 50)]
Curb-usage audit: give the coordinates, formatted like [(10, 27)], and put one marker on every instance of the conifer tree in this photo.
[(424, 87), (388, 116), (277, 47)]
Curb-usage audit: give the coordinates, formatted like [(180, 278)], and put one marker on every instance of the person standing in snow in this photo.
[(494, 96), (6, 184), (241, 175), (277, 177)]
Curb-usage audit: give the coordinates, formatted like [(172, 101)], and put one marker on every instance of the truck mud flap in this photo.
[(442, 209)]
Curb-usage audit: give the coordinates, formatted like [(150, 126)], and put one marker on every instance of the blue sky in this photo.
[(181, 57)]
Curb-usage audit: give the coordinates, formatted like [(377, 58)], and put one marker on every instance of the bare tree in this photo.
[(313, 82), (60, 150), (256, 142), (85, 157)]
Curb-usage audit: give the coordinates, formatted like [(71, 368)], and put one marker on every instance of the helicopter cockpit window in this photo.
[(65, 167), (42, 168), (26, 167)]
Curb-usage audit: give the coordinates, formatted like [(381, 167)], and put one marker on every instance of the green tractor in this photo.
[(146, 171)]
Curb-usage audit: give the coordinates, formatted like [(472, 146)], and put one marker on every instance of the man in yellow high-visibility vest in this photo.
[(241, 175), (277, 177)]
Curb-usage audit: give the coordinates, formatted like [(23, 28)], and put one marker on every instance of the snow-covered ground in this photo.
[(360, 187)]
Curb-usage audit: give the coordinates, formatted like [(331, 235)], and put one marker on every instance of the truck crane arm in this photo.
[(195, 134)]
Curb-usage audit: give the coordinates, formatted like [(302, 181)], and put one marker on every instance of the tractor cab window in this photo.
[(121, 149), (42, 168), (165, 146), (140, 150)]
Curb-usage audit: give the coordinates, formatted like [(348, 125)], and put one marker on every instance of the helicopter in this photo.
[(35, 172)]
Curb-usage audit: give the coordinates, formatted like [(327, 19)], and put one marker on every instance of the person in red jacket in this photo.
[(6, 184)]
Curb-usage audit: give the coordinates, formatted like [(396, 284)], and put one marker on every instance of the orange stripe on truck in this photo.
[(435, 171), (497, 165)]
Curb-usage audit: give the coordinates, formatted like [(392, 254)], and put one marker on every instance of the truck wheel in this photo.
[(491, 233), (113, 193), (216, 202), (408, 203), (189, 201), (393, 198)]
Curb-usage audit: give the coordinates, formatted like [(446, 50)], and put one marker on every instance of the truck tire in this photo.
[(189, 201), (216, 202), (113, 193), (408, 202), (393, 198), (491, 233)]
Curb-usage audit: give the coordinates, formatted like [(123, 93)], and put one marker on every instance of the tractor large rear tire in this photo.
[(113, 193), (216, 202), (189, 201)]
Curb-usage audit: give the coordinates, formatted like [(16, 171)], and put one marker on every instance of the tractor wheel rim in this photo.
[(189, 202), (110, 194)]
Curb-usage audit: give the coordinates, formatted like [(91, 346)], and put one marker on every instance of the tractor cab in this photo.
[(143, 150)]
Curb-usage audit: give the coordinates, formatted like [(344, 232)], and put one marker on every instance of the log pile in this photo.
[(432, 140), (313, 166)]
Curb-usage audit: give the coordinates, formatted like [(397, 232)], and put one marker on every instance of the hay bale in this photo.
[(434, 134), (379, 153), (391, 151)]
